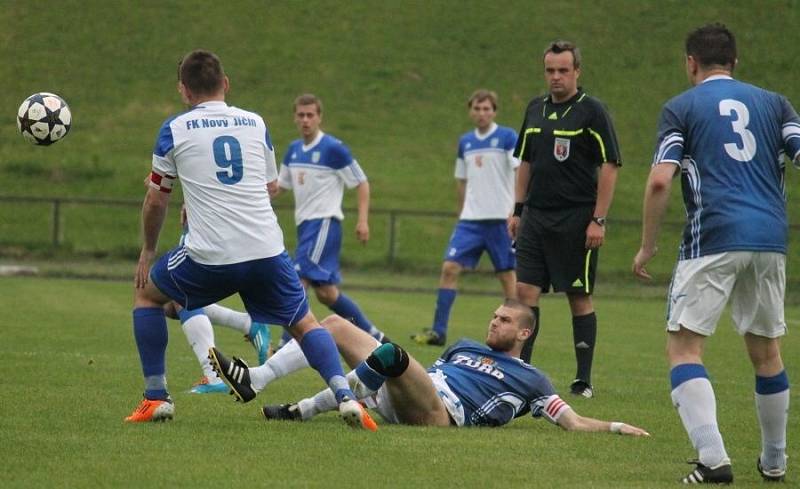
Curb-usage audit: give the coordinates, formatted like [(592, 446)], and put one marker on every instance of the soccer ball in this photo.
[(44, 118)]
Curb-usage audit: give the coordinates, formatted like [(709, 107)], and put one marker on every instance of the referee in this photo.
[(564, 189)]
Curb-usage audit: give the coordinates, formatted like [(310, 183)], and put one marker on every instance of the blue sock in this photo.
[(184, 314), (320, 351), (150, 332), (370, 378), (444, 302), (285, 338), (345, 307), (772, 385)]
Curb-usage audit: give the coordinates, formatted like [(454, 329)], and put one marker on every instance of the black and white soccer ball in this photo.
[(44, 118)]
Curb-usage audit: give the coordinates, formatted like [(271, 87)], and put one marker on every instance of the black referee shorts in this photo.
[(551, 250)]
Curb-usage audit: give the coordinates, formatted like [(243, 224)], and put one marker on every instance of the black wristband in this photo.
[(518, 208)]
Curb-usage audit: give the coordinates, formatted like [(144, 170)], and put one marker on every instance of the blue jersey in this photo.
[(487, 163), (730, 138), (493, 387), (317, 173)]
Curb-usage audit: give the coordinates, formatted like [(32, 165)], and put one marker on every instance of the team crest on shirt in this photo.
[(561, 149), (494, 142), (479, 161), (315, 157), (481, 364)]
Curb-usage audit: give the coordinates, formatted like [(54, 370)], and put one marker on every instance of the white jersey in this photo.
[(318, 173), (486, 162), (224, 158)]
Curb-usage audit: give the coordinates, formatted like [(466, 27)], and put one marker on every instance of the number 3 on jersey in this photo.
[(228, 154), (730, 108)]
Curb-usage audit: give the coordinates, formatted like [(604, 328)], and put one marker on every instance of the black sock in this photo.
[(584, 334), (527, 348)]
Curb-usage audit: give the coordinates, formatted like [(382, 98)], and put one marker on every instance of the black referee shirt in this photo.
[(565, 144)]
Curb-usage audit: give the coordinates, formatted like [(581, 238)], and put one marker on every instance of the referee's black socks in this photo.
[(584, 334), (527, 348)]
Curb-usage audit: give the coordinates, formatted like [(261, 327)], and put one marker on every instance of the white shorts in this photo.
[(382, 403), (754, 281)]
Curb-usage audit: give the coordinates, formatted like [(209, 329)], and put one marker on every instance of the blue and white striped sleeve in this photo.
[(352, 174), (670, 140), (790, 130)]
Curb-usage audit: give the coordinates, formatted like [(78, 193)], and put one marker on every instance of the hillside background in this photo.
[(394, 77)]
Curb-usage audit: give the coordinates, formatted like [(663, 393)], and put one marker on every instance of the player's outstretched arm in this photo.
[(572, 421)]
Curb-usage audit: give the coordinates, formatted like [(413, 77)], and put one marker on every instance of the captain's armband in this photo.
[(161, 182)]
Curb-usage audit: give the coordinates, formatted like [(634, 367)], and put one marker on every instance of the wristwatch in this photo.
[(599, 220)]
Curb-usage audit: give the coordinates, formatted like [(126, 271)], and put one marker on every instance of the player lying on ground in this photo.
[(470, 385)]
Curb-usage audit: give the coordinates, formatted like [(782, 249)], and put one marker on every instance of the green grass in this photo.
[(394, 77), (70, 374)]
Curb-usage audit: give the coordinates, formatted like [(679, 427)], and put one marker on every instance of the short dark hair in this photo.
[(201, 72), (712, 45), (308, 99), (482, 94), (560, 46), (527, 321)]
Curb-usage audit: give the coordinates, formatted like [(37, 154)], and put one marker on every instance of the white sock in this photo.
[(223, 316), (200, 335), (773, 412), (697, 408), (322, 402), (288, 359), (325, 400)]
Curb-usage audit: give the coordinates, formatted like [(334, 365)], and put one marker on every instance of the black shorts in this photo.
[(551, 250)]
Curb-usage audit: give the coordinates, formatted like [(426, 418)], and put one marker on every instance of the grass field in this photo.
[(70, 374)]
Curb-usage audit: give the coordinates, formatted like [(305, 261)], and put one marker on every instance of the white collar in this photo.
[(307, 147), (491, 131), (718, 77)]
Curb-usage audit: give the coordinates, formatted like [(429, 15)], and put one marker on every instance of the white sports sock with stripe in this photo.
[(773, 413), (288, 359), (200, 333), (224, 316), (325, 400), (697, 407)]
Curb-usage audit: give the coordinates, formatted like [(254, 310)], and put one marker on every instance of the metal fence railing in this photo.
[(57, 225), (400, 238)]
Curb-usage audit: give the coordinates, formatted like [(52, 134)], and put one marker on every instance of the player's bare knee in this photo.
[(450, 272), (326, 294), (335, 323), (684, 346)]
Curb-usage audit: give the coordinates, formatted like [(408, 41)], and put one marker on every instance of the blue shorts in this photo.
[(269, 287), (471, 238), (317, 256)]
